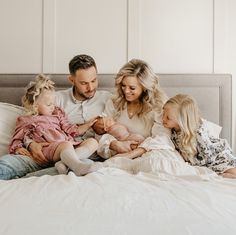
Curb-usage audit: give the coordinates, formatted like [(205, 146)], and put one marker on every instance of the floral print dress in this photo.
[(212, 152)]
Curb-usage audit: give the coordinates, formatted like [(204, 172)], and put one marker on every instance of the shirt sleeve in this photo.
[(161, 137)]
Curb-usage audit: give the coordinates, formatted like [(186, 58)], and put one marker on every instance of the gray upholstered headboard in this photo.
[(212, 91)]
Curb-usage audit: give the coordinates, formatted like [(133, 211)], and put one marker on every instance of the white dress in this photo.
[(161, 156)]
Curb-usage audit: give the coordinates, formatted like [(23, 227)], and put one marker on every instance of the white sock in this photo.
[(87, 160), (95, 167), (83, 152), (70, 158), (61, 168)]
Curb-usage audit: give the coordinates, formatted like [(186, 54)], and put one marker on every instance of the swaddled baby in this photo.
[(107, 125)]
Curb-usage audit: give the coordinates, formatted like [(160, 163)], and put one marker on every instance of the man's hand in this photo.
[(37, 154), (23, 151), (122, 146)]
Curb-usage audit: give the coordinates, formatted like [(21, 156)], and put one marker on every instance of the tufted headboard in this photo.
[(212, 92)]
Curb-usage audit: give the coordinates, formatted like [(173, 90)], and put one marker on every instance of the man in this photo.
[(81, 102)]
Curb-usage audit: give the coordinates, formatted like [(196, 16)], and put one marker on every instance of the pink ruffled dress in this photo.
[(53, 129)]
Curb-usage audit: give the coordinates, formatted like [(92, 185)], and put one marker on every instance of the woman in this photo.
[(137, 104)]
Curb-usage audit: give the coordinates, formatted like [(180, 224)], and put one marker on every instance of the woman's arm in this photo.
[(138, 152)]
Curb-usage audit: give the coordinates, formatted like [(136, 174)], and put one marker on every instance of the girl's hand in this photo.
[(23, 151), (91, 122)]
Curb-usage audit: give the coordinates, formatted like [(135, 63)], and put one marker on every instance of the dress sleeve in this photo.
[(22, 130), (206, 146), (68, 128), (161, 137)]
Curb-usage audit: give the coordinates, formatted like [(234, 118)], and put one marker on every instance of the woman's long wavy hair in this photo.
[(33, 90), (152, 98), (186, 114)]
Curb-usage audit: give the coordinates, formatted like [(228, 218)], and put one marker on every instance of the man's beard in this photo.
[(84, 96)]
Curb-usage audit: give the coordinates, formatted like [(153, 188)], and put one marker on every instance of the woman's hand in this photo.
[(122, 146), (23, 151), (37, 154)]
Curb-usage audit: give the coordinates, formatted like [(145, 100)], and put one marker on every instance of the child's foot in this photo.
[(82, 168), (89, 168), (61, 168), (95, 167)]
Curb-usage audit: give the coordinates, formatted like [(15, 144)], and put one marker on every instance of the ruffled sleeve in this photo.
[(22, 131), (70, 129)]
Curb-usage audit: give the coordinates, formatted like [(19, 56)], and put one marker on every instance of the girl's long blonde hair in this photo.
[(33, 90), (184, 110), (152, 97)]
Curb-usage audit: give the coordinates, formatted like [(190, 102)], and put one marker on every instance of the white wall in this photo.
[(184, 36), (21, 36)]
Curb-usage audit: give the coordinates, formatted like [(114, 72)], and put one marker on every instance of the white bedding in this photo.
[(165, 199), (113, 201)]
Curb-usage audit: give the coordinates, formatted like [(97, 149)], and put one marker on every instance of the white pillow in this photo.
[(8, 115), (214, 129)]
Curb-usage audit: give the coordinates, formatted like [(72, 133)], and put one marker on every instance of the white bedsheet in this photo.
[(112, 201)]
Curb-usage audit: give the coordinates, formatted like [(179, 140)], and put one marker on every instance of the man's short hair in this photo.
[(81, 62)]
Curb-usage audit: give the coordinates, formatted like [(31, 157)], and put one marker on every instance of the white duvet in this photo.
[(113, 201)]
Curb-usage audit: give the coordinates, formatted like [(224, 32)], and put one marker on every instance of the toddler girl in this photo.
[(44, 122), (191, 137)]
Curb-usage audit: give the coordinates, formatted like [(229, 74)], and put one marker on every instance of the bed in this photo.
[(113, 201)]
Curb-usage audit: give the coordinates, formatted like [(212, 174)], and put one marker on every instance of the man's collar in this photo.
[(72, 96)]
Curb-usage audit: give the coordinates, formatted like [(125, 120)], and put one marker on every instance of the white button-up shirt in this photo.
[(82, 111)]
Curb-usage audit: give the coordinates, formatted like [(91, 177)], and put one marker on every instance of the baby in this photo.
[(107, 125)]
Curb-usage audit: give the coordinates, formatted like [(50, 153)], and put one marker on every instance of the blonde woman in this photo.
[(192, 139), (46, 123), (137, 104)]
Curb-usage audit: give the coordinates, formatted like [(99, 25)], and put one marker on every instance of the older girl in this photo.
[(192, 139)]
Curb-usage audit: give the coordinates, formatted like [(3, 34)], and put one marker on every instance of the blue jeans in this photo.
[(16, 166)]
